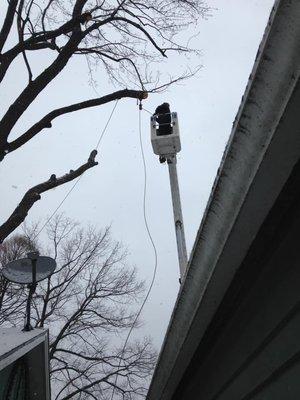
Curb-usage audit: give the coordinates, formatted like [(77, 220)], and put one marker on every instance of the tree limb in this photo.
[(8, 21), (147, 34), (21, 25), (43, 36), (94, 383), (34, 194), (34, 88), (32, 43), (45, 122)]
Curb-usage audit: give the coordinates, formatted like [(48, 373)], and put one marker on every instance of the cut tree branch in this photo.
[(34, 194), (45, 122)]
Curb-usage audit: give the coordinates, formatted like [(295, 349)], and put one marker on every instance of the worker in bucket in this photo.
[(163, 117)]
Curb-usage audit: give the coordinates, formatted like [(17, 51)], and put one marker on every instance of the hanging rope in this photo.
[(145, 222), (149, 112), (107, 123), (79, 178), (152, 244)]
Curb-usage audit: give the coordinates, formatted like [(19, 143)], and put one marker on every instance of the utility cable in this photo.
[(79, 178), (152, 244)]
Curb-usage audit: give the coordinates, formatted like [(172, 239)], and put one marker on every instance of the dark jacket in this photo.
[(163, 117)]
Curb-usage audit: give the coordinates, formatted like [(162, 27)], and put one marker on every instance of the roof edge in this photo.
[(268, 91)]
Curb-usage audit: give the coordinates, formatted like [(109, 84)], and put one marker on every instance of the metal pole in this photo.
[(33, 256), (178, 220)]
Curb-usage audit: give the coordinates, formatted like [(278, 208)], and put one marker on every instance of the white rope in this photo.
[(154, 252), (79, 178)]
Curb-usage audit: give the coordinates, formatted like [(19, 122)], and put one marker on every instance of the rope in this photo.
[(108, 121), (147, 111), (58, 207), (154, 251), (79, 178)]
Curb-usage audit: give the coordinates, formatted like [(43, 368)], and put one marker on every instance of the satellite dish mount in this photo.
[(29, 271), (33, 256)]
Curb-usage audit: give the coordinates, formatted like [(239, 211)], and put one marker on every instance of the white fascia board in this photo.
[(260, 153), (14, 343)]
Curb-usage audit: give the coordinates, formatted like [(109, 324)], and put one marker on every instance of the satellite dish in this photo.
[(20, 271)]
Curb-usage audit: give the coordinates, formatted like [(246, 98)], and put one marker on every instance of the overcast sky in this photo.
[(112, 193)]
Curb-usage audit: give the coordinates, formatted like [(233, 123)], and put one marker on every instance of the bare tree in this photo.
[(12, 297), (87, 303), (121, 37)]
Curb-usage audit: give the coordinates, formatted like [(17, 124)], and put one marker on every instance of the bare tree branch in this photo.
[(45, 122), (21, 25), (8, 22), (34, 42), (126, 39), (32, 90), (34, 194), (139, 27), (85, 303)]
